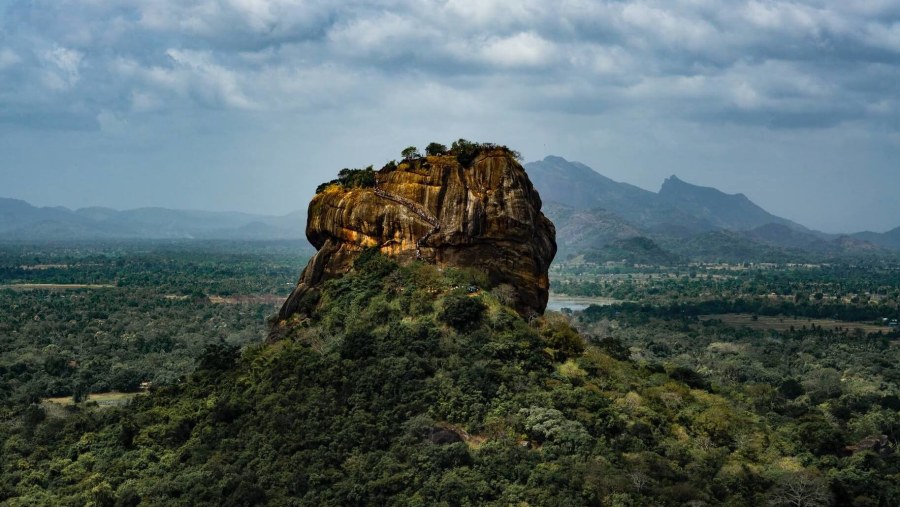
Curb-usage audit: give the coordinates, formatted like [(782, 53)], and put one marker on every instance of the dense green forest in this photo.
[(85, 318), (867, 287), (407, 389)]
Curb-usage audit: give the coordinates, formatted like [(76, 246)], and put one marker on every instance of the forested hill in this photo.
[(412, 386)]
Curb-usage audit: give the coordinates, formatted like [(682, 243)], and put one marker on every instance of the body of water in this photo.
[(558, 301)]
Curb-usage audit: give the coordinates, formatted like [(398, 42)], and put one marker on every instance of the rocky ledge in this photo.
[(472, 206)]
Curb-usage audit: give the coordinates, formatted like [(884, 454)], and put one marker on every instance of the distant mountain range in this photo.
[(599, 218), (20, 221), (595, 216)]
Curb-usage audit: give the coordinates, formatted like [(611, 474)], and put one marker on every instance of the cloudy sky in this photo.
[(248, 104)]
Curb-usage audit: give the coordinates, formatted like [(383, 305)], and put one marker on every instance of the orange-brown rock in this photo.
[(485, 214)]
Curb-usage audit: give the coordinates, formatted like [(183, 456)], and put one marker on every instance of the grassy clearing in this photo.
[(110, 399), (785, 323)]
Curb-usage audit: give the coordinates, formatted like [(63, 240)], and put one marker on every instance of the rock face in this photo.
[(484, 214)]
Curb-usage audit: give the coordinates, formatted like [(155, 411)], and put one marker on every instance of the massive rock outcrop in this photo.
[(483, 213)]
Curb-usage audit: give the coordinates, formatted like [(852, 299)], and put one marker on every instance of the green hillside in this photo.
[(637, 250)]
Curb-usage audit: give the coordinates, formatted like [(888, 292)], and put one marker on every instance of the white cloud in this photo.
[(8, 58), (216, 19), (600, 60), (143, 101), (671, 28), (780, 15), (522, 49), (212, 83), (61, 68), (745, 97), (304, 88), (498, 13), (884, 36), (385, 35)]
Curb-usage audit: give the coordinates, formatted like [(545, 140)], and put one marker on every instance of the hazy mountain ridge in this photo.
[(578, 186), (889, 239), (20, 221), (725, 211), (677, 204), (593, 212)]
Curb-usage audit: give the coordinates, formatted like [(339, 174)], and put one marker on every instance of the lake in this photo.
[(575, 303)]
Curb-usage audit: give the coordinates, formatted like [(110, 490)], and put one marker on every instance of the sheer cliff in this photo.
[(476, 209)]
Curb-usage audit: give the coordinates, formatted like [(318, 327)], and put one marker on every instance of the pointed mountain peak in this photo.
[(675, 184), (727, 211), (560, 167)]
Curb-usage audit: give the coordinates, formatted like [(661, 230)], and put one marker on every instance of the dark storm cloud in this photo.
[(778, 63)]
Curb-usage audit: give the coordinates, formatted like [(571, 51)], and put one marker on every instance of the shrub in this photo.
[(462, 312), (352, 178), (410, 152), (435, 149), (560, 337), (373, 263)]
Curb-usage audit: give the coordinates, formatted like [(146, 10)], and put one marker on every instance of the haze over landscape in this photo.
[(248, 105)]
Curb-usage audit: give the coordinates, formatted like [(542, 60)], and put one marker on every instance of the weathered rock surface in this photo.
[(485, 215)]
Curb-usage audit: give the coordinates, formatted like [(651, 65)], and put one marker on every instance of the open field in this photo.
[(110, 399), (269, 299), (55, 286), (785, 323)]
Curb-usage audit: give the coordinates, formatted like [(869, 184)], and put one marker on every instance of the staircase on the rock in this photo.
[(418, 210)]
